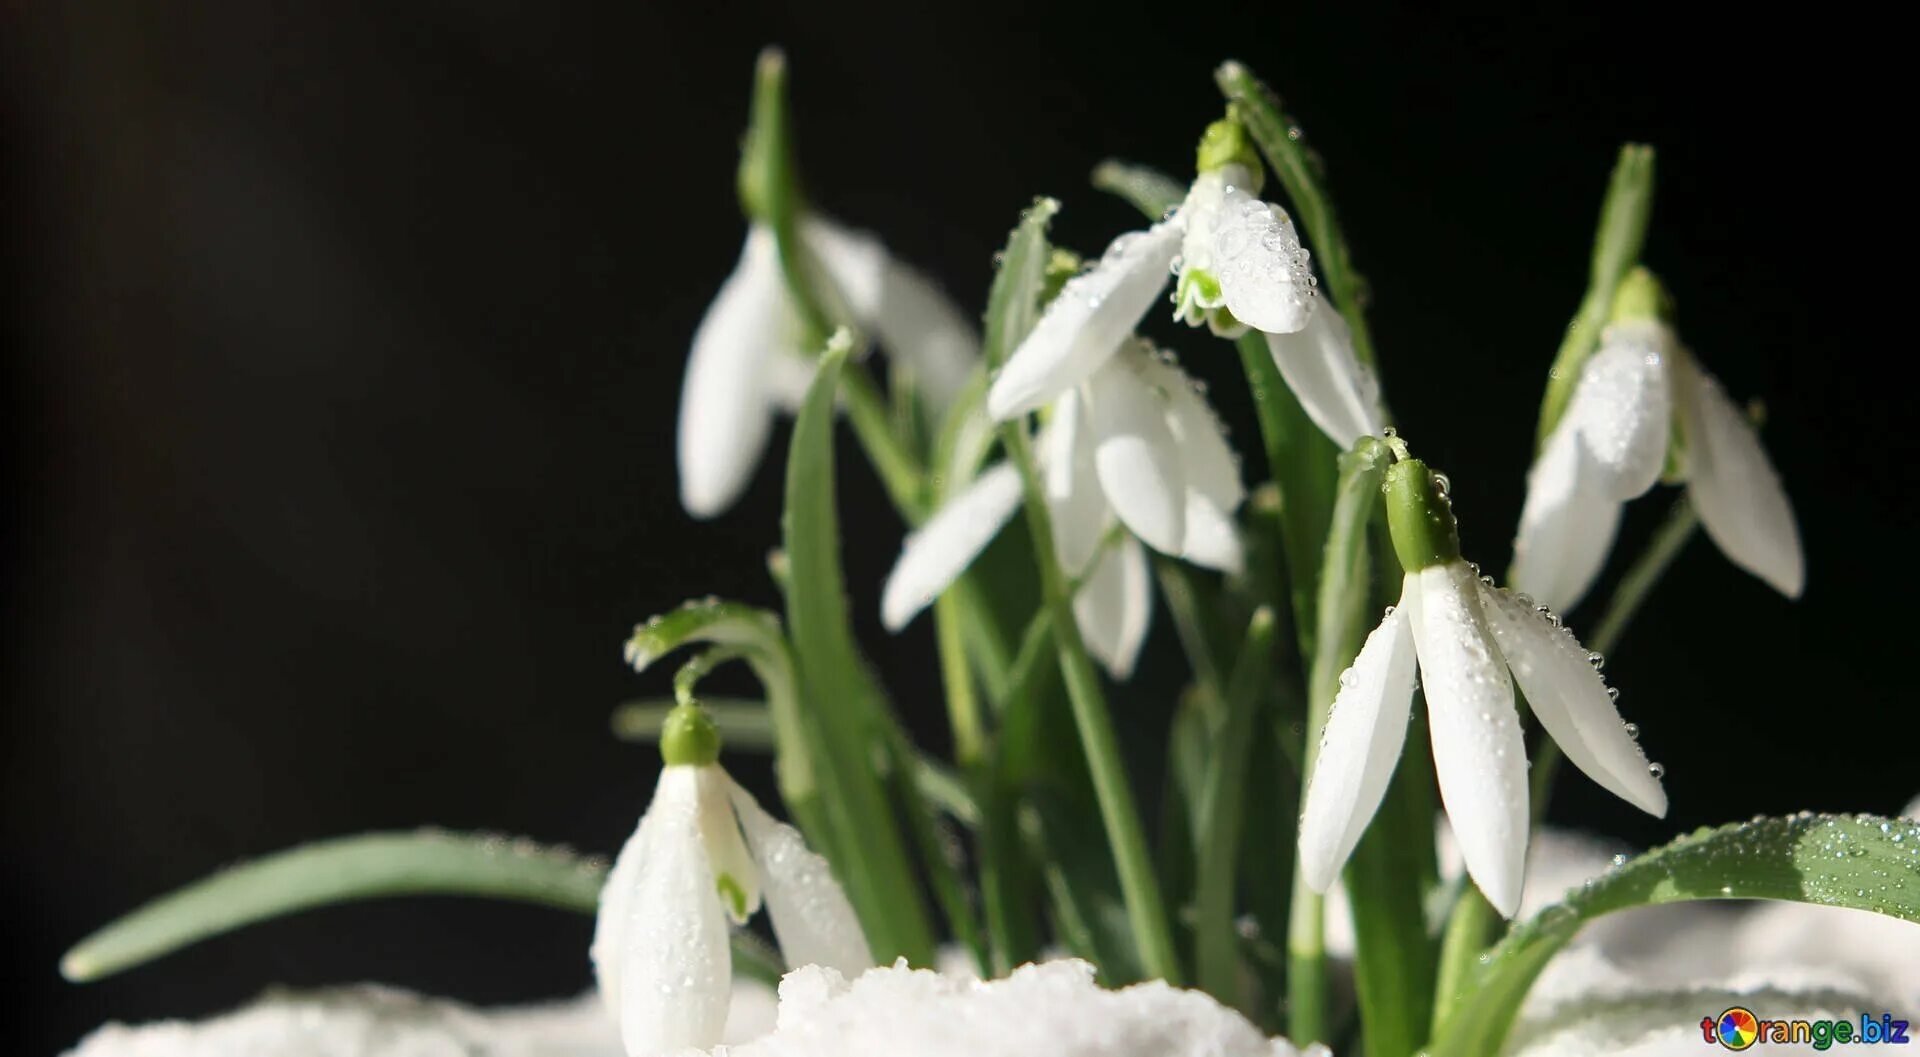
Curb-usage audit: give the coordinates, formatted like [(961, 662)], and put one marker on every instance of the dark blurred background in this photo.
[(345, 342)]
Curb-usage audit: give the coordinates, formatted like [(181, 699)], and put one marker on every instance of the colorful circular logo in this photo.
[(1737, 1028)]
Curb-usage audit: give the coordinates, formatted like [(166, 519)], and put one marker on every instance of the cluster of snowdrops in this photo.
[(1063, 481)]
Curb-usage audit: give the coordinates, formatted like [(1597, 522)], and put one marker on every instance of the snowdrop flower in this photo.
[(747, 362), (1134, 443), (706, 853), (1472, 641), (1238, 263), (1637, 391)]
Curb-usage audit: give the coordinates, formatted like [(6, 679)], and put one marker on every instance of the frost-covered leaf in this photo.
[(1859, 861)]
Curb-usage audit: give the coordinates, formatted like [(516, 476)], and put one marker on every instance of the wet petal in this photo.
[(1622, 410), (616, 895), (725, 413), (1135, 455), (1086, 322), (1741, 503), (1261, 265), (735, 876), (1358, 749), (1567, 525), (1207, 465), (940, 550), (1566, 692), (675, 971), (1338, 392), (811, 916), (1479, 753), (1081, 515), (1115, 605)]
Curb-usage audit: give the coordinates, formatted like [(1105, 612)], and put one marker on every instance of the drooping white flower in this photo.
[(1135, 444), (1471, 642), (1636, 393), (1238, 263), (705, 854), (747, 363)]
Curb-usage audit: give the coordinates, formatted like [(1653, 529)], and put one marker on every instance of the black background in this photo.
[(347, 339)]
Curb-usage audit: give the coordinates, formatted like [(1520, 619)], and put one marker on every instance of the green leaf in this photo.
[(1864, 862), (1302, 174), (426, 862), (1013, 301), (1222, 809), (1148, 189), (854, 726), (341, 870), (1616, 248)]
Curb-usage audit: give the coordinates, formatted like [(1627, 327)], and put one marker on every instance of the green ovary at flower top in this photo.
[(705, 853), (1641, 394), (1239, 264), (1134, 443), (1466, 636)]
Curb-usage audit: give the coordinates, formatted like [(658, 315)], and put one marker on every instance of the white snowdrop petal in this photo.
[(1135, 455), (1261, 266), (920, 327), (1479, 753), (1086, 322), (1338, 392), (1115, 606), (1359, 747), (855, 261), (1080, 512), (1567, 525), (937, 553), (1566, 692), (676, 969), (616, 895), (1208, 465), (811, 916), (1741, 502), (734, 874), (725, 413), (1621, 408)]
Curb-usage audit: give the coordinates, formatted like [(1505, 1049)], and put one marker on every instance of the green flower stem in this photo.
[(963, 701), (1304, 466), (1140, 887), (1222, 807), (1616, 248), (1340, 617), (1300, 172)]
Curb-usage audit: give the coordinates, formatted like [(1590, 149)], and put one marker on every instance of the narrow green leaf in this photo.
[(341, 870), (1302, 174), (1222, 809), (1859, 861), (1013, 301), (842, 697), (1148, 189), (1616, 248)]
